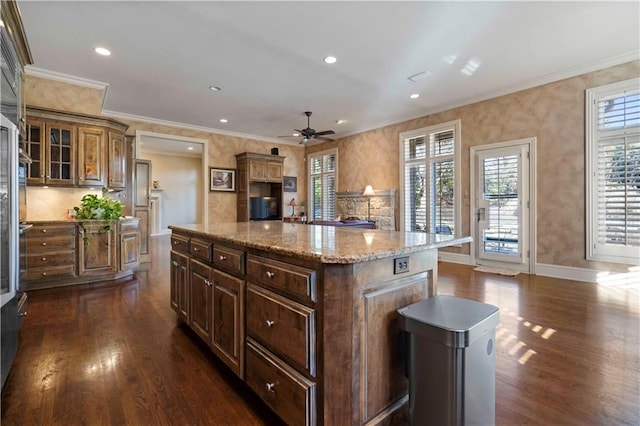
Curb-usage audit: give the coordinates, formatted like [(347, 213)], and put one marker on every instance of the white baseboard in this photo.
[(463, 259), (567, 272)]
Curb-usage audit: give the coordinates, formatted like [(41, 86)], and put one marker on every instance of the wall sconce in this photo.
[(368, 192), (293, 205)]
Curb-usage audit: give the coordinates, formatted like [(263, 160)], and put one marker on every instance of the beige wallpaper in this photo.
[(54, 203), (553, 113), (62, 96)]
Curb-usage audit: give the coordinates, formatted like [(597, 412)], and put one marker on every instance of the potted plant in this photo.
[(103, 209)]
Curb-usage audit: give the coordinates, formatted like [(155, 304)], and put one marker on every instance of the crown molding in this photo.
[(528, 84), (132, 117)]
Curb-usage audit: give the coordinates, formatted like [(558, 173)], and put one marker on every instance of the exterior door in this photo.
[(502, 205)]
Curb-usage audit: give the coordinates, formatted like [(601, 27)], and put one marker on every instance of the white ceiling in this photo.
[(268, 56)]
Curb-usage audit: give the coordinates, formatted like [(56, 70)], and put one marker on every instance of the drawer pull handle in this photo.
[(223, 257), (271, 387), (44, 274), (174, 263), (44, 259), (44, 244), (271, 274), (22, 314), (44, 230), (208, 283), (196, 249), (269, 323)]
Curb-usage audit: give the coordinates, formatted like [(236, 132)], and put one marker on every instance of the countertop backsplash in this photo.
[(54, 203)]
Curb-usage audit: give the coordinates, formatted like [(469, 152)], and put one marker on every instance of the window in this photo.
[(323, 167), (430, 182), (613, 172)]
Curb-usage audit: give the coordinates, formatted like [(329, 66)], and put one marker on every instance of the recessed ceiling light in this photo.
[(340, 121), (190, 148), (215, 88), (415, 96), (330, 60), (102, 51), (224, 120)]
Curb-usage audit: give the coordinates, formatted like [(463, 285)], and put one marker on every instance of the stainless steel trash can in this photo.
[(451, 361)]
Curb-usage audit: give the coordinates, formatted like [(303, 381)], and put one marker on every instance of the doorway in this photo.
[(503, 205), (180, 167)]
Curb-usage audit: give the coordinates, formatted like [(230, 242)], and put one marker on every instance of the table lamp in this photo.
[(368, 192)]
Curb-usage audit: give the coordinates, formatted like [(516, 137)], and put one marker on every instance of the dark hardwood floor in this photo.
[(568, 353)]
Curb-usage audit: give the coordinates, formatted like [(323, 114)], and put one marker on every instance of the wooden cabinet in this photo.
[(117, 160), (180, 285), (51, 252), (65, 253), (142, 204), (258, 175), (201, 282), (91, 161), (227, 333), (70, 149), (97, 252)]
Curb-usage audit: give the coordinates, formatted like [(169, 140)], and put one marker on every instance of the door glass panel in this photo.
[(66, 155), (66, 137), (66, 171), (500, 190), (4, 211), (55, 171), (55, 153)]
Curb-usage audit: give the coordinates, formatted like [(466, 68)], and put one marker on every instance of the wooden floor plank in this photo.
[(567, 353)]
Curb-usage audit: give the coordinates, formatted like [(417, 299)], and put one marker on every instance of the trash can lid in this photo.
[(449, 320)]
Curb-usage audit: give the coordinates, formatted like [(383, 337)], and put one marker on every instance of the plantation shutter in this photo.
[(322, 180), (615, 175)]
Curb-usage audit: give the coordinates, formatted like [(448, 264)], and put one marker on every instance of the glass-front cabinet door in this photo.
[(35, 146), (60, 153)]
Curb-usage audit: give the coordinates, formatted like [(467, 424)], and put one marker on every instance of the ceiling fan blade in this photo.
[(326, 132), (288, 136), (299, 131), (322, 138)]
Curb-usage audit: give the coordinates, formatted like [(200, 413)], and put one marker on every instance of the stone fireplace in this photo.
[(383, 207)]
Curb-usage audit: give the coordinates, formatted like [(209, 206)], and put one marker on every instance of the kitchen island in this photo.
[(304, 314)]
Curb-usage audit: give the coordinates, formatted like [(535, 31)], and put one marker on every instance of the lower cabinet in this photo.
[(180, 285), (201, 276), (227, 332), (61, 253), (97, 253)]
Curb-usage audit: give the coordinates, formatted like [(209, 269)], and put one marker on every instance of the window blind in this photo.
[(322, 179)]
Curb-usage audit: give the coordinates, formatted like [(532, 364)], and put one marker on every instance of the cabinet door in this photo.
[(97, 249), (180, 285), (274, 172), (60, 155), (117, 161), (129, 250), (141, 204), (91, 161), (200, 279), (35, 145), (257, 170), (228, 311)]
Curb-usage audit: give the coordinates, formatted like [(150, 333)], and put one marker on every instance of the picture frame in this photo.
[(289, 184), (222, 180)]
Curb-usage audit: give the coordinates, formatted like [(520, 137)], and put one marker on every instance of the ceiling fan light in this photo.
[(295, 134)]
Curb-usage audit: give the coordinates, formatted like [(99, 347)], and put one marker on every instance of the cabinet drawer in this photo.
[(282, 325), (180, 244), (50, 273), (200, 249), (50, 260), (228, 259), (294, 280), (129, 225), (41, 244), (289, 394), (51, 230)]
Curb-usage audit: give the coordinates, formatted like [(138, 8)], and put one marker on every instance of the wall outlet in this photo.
[(401, 265)]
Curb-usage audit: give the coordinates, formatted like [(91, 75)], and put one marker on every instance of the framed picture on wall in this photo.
[(289, 184), (223, 180)]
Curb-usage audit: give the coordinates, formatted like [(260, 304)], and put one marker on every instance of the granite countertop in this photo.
[(327, 244), (63, 221)]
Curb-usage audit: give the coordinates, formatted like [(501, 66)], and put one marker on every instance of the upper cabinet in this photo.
[(69, 149)]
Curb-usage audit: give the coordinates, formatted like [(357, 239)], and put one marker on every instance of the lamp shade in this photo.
[(368, 191)]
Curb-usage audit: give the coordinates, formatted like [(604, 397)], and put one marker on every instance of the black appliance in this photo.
[(263, 208)]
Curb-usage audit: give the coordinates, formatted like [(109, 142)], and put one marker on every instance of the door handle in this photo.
[(480, 214)]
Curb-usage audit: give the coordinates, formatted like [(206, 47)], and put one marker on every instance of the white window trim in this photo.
[(594, 251), (309, 189), (456, 125)]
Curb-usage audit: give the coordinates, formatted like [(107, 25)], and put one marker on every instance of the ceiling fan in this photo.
[(309, 133)]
